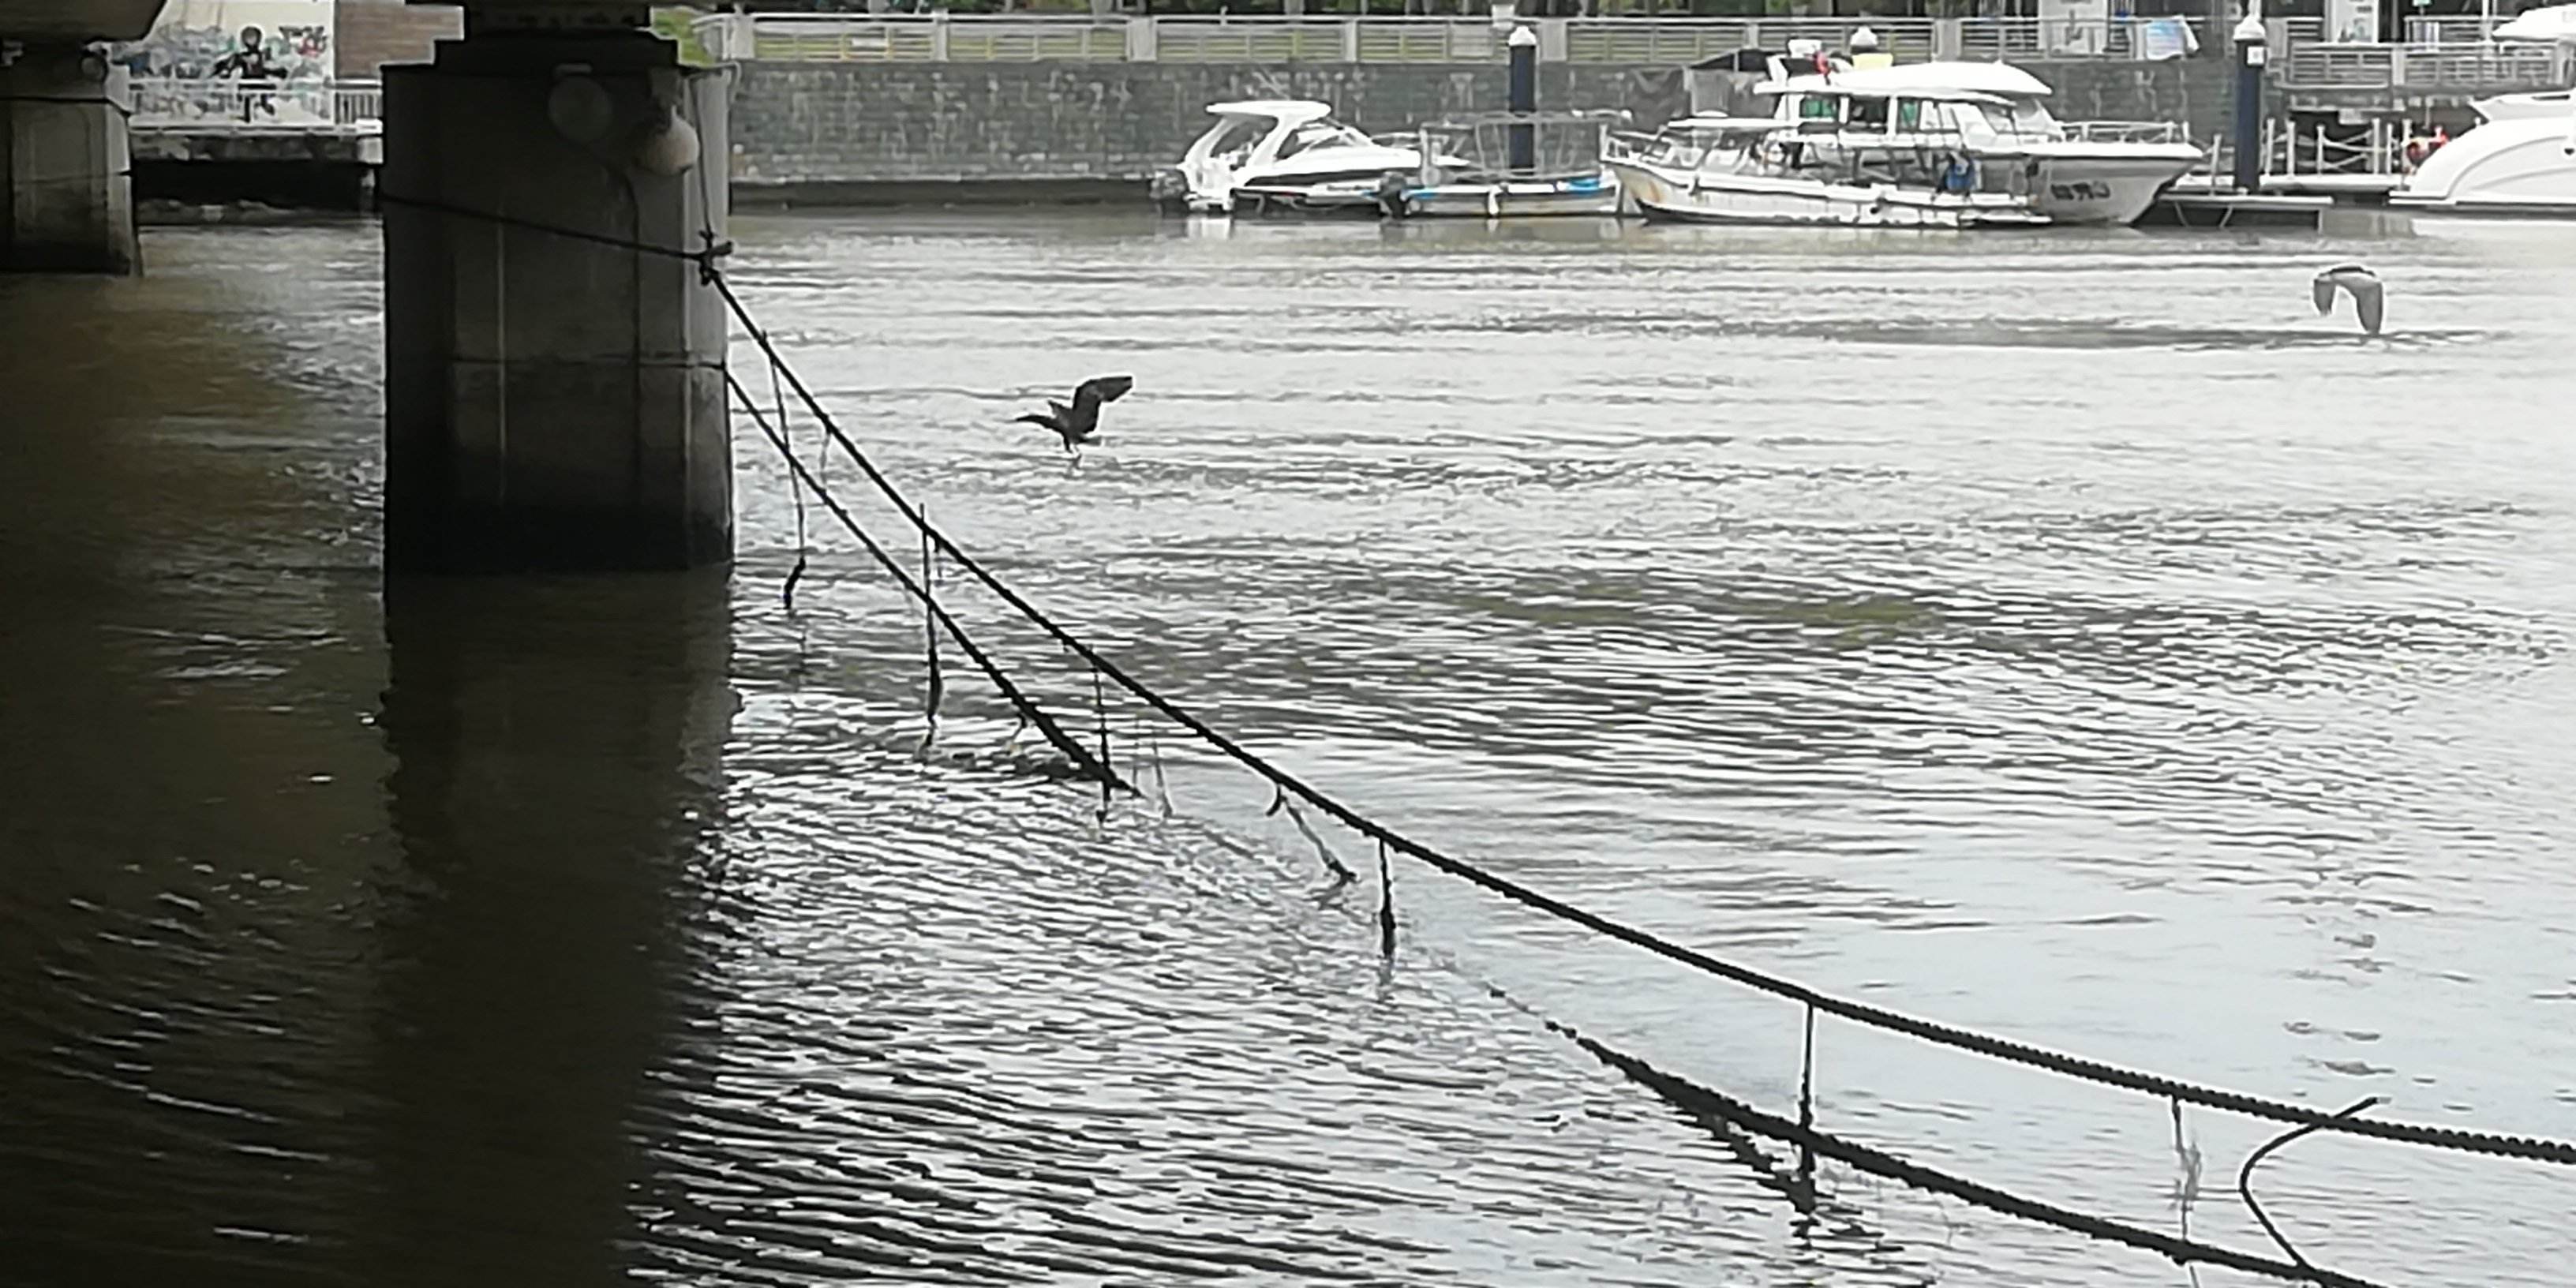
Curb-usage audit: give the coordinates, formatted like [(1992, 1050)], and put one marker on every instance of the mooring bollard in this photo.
[(1524, 99), (2251, 50)]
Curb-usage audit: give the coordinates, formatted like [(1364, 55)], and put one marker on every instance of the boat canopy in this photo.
[(1717, 123), (1839, 87), (1294, 111), (1560, 116), (1936, 80), (2556, 23)]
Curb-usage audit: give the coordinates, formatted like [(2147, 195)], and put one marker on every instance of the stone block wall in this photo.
[(370, 33), (840, 132), (835, 131), (2199, 92)]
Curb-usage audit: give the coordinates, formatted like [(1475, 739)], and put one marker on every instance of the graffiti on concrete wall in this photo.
[(251, 60), (281, 40)]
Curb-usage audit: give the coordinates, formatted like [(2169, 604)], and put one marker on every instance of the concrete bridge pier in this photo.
[(66, 198), (554, 403)]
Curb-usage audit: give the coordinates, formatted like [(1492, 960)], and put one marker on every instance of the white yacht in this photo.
[(1283, 155), (2550, 104), (2520, 159), (1851, 159), (2089, 172)]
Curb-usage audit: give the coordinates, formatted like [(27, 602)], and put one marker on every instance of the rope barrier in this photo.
[(1029, 711), (2080, 1067), (2100, 1072), (1698, 1100)]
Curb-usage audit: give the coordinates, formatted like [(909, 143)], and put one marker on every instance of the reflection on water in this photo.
[(2071, 635), (557, 751)]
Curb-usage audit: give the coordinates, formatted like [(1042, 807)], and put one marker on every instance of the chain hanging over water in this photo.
[(936, 684)]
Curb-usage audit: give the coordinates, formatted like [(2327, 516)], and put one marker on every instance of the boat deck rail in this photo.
[(1556, 116), (2127, 132)]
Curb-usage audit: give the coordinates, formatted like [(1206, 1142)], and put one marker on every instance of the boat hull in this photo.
[(1761, 199), (2079, 188), (2519, 166), (1583, 195), (1338, 200)]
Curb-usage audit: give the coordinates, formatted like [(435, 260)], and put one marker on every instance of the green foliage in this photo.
[(672, 23)]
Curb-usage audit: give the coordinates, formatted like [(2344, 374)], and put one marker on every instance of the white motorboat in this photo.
[(1280, 156), (2550, 104), (1857, 160), (2520, 159), (2088, 172)]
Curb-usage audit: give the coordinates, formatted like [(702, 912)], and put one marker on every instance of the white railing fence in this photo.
[(2294, 152), (1998, 39), (2467, 69), (1667, 42), (235, 106)]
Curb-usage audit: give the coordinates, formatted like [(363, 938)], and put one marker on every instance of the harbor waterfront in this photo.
[(2068, 635), (1546, 647), (1014, 109)]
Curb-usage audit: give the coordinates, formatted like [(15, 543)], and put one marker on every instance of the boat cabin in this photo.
[(1983, 104), (1259, 132)]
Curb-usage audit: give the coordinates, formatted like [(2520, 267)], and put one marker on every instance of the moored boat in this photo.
[(2087, 172), (2520, 160), (1282, 156), (1519, 163), (1852, 160)]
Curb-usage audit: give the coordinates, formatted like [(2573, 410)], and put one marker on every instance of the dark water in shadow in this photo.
[(2070, 636)]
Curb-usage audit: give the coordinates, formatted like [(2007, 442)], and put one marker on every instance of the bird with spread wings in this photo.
[(1076, 424)]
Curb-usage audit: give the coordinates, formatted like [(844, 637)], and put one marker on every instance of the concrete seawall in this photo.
[(858, 133)]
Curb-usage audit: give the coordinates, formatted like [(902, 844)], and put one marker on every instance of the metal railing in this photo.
[(1672, 42), (242, 107), (1999, 39), (1629, 42), (2312, 151), (1316, 40), (2128, 132), (908, 38), (2470, 30), (2291, 152), (2465, 69)]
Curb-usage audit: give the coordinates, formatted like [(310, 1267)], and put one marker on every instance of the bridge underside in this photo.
[(76, 21), (555, 391), (66, 199)]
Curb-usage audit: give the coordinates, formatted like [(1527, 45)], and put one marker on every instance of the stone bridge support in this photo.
[(66, 195), (555, 399)]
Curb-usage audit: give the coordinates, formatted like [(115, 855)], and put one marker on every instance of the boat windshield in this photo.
[(1233, 138), (2019, 119), (1319, 134)]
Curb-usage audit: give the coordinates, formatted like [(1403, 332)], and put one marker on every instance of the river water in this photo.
[(2071, 636)]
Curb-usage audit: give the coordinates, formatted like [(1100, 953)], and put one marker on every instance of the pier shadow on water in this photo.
[(394, 1023), (558, 769)]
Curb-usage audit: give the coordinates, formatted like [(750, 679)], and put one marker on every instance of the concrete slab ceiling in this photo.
[(77, 19)]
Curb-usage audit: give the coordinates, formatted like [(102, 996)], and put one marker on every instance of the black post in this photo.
[(2250, 51), (1524, 99)]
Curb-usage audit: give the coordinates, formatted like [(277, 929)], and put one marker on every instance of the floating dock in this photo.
[(2335, 205)]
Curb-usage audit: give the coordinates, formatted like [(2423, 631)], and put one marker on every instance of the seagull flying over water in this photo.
[(2358, 282), (1075, 424)]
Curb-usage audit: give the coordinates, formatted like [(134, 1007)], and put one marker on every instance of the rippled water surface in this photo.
[(2071, 636)]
